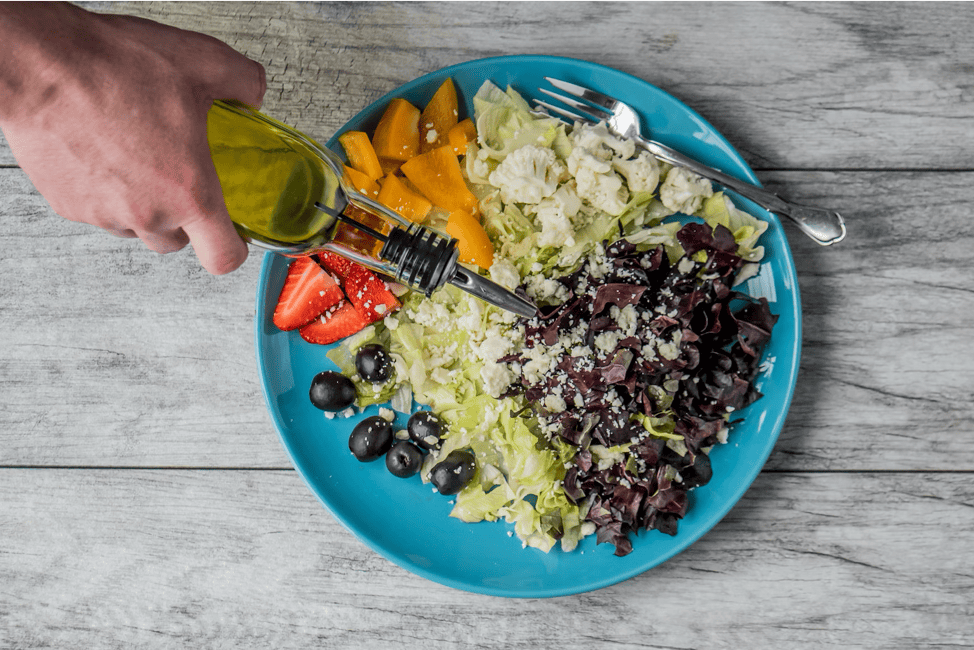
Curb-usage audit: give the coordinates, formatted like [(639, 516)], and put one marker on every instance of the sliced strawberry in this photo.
[(369, 294), (335, 324), (337, 264), (307, 292)]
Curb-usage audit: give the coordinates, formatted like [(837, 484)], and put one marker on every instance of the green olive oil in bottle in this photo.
[(270, 175), (283, 192)]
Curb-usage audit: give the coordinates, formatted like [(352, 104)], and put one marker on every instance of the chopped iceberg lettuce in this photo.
[(551, 200), (505, 122)]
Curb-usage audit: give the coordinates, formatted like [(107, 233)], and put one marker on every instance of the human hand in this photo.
[(107, 117)]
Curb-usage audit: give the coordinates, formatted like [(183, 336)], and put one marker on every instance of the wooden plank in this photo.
[(108, 349), (822, 85), (119, 559), (886, 380), (157, 367)]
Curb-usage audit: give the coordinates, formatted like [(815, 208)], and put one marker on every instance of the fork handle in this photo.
[(824, 226)]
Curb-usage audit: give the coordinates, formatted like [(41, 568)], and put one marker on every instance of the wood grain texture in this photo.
[(803, 85), (145, 500), (125, 563), (153, 359)]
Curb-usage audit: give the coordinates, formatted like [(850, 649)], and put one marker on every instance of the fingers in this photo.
[(124, 233), (169, 242), (217, 245), (215, 240), (239, 78)]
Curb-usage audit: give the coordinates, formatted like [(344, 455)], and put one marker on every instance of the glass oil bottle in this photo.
[(288, 194)]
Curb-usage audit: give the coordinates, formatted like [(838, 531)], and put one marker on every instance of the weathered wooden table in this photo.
[(145, 500)]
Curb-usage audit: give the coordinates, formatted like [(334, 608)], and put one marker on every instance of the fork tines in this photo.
[(589, 113)]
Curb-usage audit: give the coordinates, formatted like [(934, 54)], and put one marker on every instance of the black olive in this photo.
[(370, 438), (452, 474), (373, 363), (404, 459), (332, 391), (425, 429)]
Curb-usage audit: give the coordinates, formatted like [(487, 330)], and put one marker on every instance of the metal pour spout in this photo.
[(426, 260), (492, 292)]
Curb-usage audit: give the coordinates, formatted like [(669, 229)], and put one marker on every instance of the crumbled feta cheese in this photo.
[(478, 169), (496, 377), (581, 351), (540, 362), (493, 347), (627, 318), (504, 273), (432, 314), (545, 289), (685, 266), (608, 341), (668, 351), (554, 403)]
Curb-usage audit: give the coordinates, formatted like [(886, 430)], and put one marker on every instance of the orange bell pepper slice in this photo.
[(362, 182), (462, 134), (439, 116), (360, 153), (438, 176), (396, 196), (389, 166), (396, 135), (472, 240)]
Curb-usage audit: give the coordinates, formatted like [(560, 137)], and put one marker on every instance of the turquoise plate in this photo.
[(403, 519)]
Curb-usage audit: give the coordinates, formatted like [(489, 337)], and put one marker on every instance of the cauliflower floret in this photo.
[(555, 217), (556, 227), (599, 142), (683, 191), (527, 175), (603, 191), (591, 161), (642, 173)]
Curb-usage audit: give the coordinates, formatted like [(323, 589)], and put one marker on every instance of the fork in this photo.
[(824, 226)]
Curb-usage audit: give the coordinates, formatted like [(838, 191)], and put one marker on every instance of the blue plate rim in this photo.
[(706, 524)]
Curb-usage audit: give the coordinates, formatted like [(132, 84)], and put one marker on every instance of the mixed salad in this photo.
[(597, 415)]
